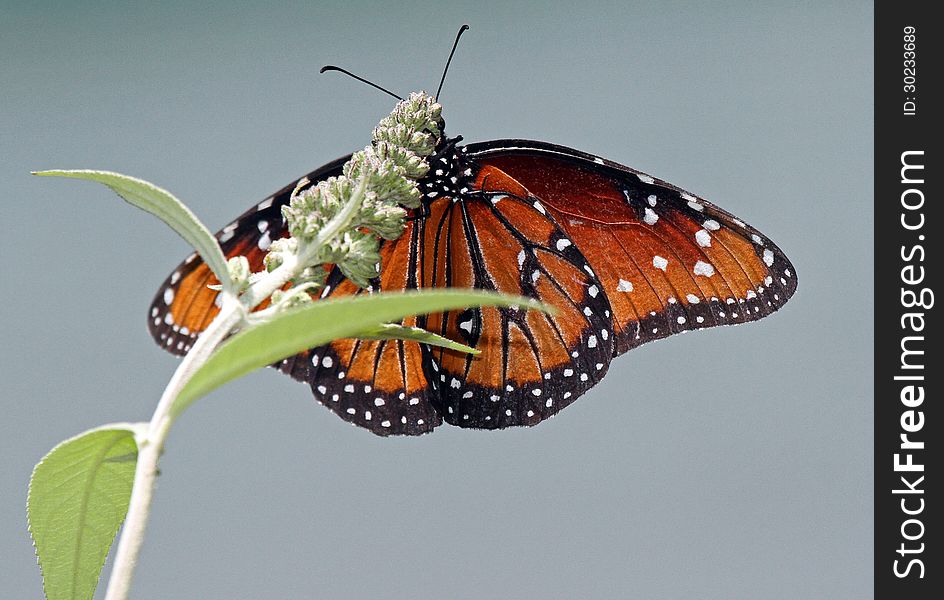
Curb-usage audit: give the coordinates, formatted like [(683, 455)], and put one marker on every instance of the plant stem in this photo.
[(151, 445)]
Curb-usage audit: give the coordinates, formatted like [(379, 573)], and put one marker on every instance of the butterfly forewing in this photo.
[(185, 304), (667, 260)]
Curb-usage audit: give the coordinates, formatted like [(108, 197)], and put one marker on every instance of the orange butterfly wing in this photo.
[(668, 261), (184, 306), (380, 385)]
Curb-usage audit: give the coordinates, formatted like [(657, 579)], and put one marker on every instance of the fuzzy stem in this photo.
[(151, 445), (234, 314)]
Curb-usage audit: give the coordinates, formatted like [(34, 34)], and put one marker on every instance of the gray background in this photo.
[(732, 463)]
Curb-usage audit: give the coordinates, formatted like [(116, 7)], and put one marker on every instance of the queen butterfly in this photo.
[(625, 258)]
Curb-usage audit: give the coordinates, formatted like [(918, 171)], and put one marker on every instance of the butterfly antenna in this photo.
[(449, 60), (361, 79)]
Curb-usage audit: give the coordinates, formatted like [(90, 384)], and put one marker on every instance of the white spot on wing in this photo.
[(703, 238), (650, 217), (624, 286), (228, 232), (265, 241), (692, 202), (703, 268), (659, 262)]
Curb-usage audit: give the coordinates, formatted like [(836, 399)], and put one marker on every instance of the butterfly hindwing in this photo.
[(668, 261), (380, 385), (531, 364)]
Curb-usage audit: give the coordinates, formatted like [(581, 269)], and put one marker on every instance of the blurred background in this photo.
[(731, 463)]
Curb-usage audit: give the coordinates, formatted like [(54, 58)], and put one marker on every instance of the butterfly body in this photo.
[(624, 257)]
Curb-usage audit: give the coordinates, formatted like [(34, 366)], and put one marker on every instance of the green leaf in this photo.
[(163, 205), (78, 497), (292, 332), (390, 331)]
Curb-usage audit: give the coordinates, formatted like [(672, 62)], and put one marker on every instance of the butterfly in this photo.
[(625, 258)]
